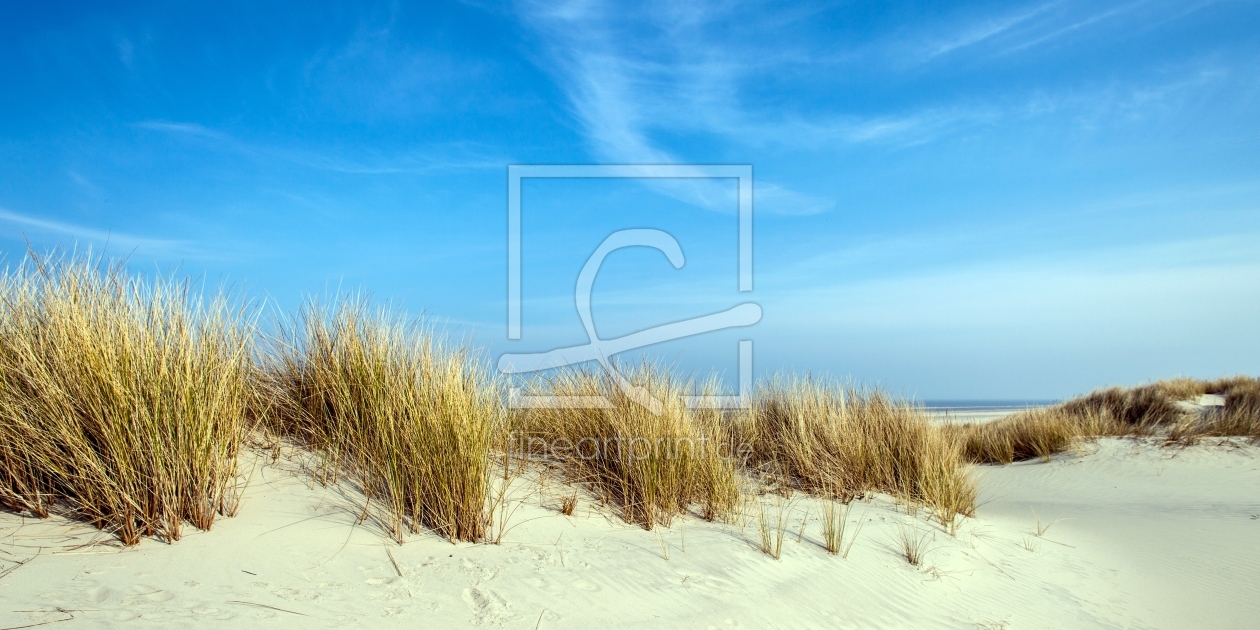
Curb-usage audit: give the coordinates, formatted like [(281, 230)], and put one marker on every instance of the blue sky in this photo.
[(968, 200)]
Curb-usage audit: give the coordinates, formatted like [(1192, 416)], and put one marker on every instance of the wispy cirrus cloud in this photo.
[(622, 92), (190, 129), (780, 200), (1077, 25), (649, 86), (987, 29), (1045, 23), (93, 236), (435, 158)]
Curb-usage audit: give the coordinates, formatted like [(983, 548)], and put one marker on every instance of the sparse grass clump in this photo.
[(913, 544), (652, 466), (568, 504), (837, 539), (842, 443), (411, 421), (124, 399), (771, 529)]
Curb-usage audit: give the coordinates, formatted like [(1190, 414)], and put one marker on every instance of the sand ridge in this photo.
[(1142, 536)]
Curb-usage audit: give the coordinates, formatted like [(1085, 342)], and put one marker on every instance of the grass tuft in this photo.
[(835, 527), (1159, 408), (569, 504), (913, 544), (125, 399), (412, 421), (843, 443), (771, 530), (652, 466)]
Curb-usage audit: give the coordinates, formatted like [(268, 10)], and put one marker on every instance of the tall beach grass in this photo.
[(652, 466), (824, 439), (410, 420), (1157, 409), (796, 435), (123, 400)]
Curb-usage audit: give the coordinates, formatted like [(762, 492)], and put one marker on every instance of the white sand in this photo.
[(1157, 538), (962, 416)]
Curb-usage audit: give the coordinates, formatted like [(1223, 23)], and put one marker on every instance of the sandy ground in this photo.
[(961, 416), (1142, 537)]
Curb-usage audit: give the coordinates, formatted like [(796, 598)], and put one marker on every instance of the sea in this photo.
[(979, 410)]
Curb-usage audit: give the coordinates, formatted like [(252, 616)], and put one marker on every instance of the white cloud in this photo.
[(1078, 25), (191, 129), (773, 198), (987, 29), (620, 95), (435, 158), (87, 235)]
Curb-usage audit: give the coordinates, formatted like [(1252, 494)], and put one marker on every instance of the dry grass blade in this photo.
[(1042, 528), (257, 605), (837, 539), (397, 569)]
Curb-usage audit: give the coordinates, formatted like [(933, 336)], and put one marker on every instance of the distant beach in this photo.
[(973, 410)]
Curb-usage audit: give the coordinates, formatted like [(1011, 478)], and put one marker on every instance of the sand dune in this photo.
[(1143, 537)]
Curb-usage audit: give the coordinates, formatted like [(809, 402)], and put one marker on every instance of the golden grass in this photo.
[(837, 539), (125, 399), (771, 529), (652, 466), (1239, 417), (843, 443), (1151, 409), (411, 421), (1036, 433), (568, 504), (913, 544)]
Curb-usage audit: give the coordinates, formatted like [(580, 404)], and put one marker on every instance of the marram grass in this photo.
[(824, 439), (123, 400), (652, 466), (1155, 409), (411, 421)]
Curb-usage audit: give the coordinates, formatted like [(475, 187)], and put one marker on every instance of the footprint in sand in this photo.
[(147, 593), (583, 585), (295, 595), (488, 607), (477, 570), (97, 595)]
